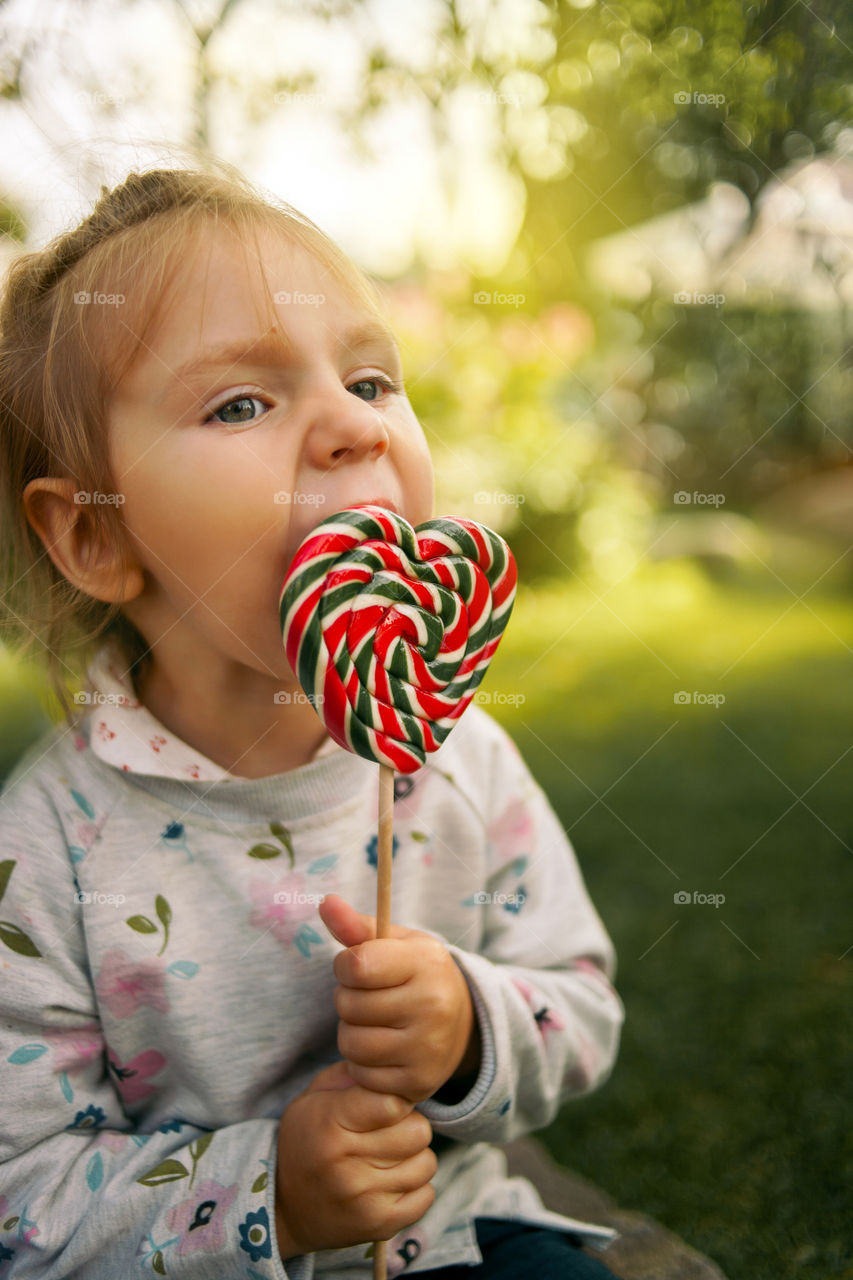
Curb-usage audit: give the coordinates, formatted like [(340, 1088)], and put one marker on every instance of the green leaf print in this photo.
[(157, 1263), (198, 1148), (166, 1171), (282, 834), (419, 836), (141, 924), (6, 869), (83, 804), (260, 1182), (264, 851), (16, 940), (164, 915)]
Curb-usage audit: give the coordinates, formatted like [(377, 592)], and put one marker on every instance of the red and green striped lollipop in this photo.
[(390, 629)]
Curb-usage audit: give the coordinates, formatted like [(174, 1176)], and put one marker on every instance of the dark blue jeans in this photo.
[(515, 1249)]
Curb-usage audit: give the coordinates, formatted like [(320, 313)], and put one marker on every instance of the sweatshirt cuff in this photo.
[(479, 1095)]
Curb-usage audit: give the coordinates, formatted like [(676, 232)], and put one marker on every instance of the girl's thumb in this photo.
[(335, 1076)]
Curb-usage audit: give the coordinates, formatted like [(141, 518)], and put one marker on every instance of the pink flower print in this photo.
[(104, 732), (76, 1047), (282, 907), (547, 1019), (80, 743), (589, 966), (580, 1075), (124, 985), (156, 742), (404, 1248), (85, 834), (131, 1076), (512, 832), (408, 794), (112, 1141), (201, 1218)]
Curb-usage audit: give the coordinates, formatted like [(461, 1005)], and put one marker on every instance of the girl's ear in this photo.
[(72, 541)]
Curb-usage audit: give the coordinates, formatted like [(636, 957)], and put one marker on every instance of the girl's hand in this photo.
[(407, 1021)]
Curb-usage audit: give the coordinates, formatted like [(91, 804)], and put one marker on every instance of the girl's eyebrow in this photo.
[(270, 348)]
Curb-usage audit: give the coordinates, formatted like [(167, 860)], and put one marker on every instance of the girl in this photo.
[(211, 1066)]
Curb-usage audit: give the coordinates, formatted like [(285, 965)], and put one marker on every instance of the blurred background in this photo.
[(616, 241)]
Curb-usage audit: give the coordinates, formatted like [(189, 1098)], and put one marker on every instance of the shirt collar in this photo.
[(124, 733)]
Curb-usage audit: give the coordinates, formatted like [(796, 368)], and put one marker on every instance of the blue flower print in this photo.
[(403, 787), (92, 1118), (6, 1254), (372, 850), (255, 1235), (176, 837), (516, 901)]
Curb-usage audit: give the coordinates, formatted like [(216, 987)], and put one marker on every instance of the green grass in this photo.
[(728, 1113)]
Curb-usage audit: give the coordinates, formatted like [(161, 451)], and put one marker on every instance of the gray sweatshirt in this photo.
[(167, 989)]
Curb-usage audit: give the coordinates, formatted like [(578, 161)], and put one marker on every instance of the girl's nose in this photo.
[(345, 427)]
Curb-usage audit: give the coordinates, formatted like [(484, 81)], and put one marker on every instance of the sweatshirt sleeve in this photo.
[(82, 1191), (540, 979)]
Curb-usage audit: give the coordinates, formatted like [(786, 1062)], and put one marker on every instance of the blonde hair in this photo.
[(60, 362)]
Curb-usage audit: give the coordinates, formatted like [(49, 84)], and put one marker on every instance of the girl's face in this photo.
[(226, 461)]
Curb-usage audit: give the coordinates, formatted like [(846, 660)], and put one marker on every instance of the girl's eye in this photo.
[(371, 384), (241, 405)]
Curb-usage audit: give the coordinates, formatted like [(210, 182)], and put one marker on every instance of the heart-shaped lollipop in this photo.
[(390, 629)]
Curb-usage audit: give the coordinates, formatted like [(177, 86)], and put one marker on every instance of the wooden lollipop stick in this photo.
[(383, 920)]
